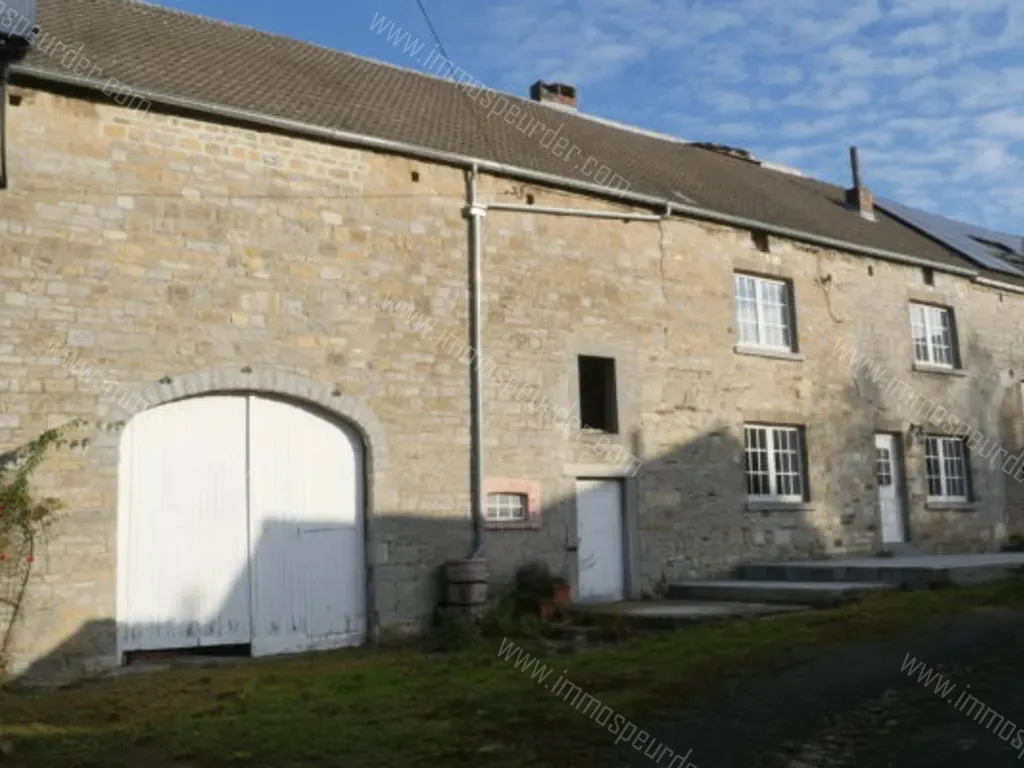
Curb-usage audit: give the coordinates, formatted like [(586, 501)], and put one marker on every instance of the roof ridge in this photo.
[(225, 69), (147, 5), (380, 62)]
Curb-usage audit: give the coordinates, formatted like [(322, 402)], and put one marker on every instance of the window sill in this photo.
[(769, 505), (952, 506), (776, 354), (939, 369), (592, 433), (512, 525)]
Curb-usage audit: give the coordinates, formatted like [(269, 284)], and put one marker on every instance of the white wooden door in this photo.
[(182, 541), (240, 521), (308, 564), (599, 535), (889, 481)]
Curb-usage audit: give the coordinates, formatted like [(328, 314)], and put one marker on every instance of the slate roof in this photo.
[(153, 49)]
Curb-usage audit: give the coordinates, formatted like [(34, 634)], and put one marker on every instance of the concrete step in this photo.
[(925, 572), (788, 592)]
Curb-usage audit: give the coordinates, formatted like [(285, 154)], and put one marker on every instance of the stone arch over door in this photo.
[(269, 381), (348, 412)]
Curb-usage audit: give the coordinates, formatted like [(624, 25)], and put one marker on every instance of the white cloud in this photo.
[(930, 89), (781, 74), (727, 101), (986, 158), (739, 130), (800, 129), (1004, 123), (926, 35)]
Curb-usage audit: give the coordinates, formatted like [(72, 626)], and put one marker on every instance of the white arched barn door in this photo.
[(308, 582), (240, 522)]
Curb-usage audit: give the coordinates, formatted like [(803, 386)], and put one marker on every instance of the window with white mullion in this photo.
[(763, 313), (946, 469), (774, 463), (772, 314), (932, 329), (506, 507)]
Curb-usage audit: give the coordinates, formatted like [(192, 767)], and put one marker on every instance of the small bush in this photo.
[(505, 617), (454, 629), (533, 584)]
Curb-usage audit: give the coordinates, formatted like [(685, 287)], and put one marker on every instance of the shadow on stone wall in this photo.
[(691, 523)]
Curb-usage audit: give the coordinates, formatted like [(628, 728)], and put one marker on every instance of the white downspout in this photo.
[(476, 212)]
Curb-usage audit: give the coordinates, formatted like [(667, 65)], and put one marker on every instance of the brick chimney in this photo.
[(560, 94), (858, 196)]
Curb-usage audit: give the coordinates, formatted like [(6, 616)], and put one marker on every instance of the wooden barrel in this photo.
[(466, 585)]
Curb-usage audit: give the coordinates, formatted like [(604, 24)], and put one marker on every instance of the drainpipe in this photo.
[(476, 212)]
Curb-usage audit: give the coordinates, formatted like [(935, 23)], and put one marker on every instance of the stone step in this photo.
[(925, 572), (788, 592)]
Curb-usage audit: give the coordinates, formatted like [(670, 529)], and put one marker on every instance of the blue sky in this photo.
[(931, 90)]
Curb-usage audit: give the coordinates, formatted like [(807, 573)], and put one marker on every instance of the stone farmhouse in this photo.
[(341, 323)]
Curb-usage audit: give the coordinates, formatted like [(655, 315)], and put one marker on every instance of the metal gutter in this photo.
[(467, 162), (1001, 286), (623, 216)]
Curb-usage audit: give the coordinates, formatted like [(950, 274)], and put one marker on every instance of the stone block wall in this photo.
[(154, 247)]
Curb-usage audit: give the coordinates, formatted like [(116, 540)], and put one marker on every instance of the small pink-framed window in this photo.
[(512, 504)]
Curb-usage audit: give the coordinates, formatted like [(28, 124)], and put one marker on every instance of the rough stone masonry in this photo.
[(175, 256)]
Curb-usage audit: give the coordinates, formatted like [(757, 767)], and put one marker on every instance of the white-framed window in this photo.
[(774, 463), (507, 507), (883, 467), (934, 338), (946, 468), (764, 312)]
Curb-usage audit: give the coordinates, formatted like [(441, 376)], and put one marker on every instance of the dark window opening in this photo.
[(760, 240), (929, 275), (598, 402)]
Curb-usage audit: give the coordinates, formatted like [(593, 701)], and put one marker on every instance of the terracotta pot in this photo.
[(547, 609), (563, 594)]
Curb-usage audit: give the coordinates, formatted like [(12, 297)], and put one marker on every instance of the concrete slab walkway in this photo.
[(795, 592)]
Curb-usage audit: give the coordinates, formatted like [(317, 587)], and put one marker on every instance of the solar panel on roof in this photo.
[(958, 235)]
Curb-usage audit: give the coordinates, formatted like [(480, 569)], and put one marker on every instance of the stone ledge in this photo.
[(953, 506), (511, 525), (939, 370), (779, 506), (775, 354)]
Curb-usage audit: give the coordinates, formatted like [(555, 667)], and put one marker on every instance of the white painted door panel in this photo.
[(599, 524), (182, 530), (307, 548), (889, 481)]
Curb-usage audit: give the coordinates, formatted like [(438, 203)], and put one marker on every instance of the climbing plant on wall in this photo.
[(24, 519)]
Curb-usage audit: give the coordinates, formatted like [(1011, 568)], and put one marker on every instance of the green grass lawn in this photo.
[(394, 708)]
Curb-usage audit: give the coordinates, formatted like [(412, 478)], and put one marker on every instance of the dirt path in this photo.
[(857, 709)]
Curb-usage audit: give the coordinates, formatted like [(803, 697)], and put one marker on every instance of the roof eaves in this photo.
[(334, 135)]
